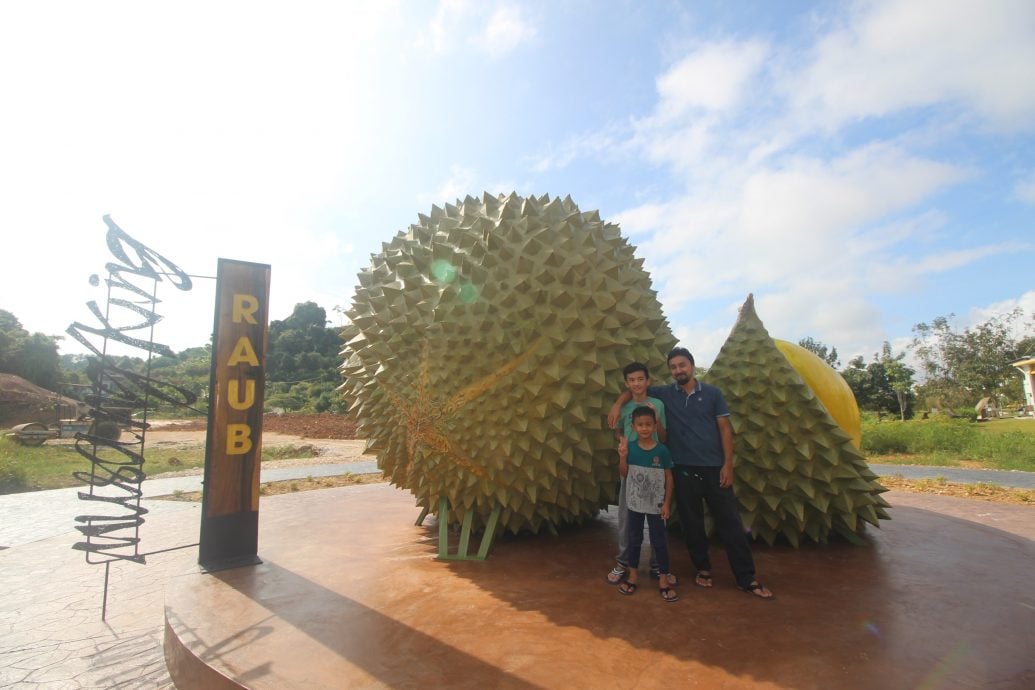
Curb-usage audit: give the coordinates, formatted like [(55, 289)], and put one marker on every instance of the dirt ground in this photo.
[(323, 426), (982, 492), (332, 438)]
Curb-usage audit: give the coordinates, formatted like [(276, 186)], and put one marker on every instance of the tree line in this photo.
[(301, 366), (957, 367)]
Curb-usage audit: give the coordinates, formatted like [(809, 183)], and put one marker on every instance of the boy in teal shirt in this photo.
[(637, 379), (649, 496)]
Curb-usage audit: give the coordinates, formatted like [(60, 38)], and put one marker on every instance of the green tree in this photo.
[(828, 355), (303, 360), (899, 377), (34, 356), (961, 367), (883, 385)]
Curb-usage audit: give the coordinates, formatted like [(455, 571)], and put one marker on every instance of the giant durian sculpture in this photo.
[(798, 473), (485, 347)]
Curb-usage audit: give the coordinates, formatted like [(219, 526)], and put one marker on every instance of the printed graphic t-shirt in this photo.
[(645, 484)]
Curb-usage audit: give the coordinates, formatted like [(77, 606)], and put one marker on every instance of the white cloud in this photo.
[(830, 311), (814, 221), (506, 29), (609, 140), (714, 77), (1022, 327), (820, 201), (945, 261), (641, 219), (491, 28), (923, 226), (704, 345), (1025, 189), (902, 54), (779, 226), (460, 183)]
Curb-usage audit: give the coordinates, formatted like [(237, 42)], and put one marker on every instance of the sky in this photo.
[(860, 167)]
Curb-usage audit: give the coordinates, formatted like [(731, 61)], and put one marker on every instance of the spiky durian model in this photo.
[(797, 472), (485, 348)]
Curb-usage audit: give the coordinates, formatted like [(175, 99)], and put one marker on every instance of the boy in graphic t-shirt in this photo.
[(648, 496), (637, 378)]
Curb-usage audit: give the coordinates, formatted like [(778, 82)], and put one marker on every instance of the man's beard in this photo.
[(682, 378)]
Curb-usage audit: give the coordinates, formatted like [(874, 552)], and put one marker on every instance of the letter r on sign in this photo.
[(245, 307)]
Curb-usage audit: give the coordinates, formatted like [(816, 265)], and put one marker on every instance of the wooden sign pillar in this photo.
[(230, 503)]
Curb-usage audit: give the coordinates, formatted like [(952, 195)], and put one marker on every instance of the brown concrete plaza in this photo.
[(349, 594)]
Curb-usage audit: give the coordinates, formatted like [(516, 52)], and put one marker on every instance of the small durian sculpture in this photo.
[(485, 347), (798, 473)]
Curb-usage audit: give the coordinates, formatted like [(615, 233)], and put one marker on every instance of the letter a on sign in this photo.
[(230, 505)]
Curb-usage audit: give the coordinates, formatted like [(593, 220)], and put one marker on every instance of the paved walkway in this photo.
[(1010, 478), (51, 632), (36, 515), (51, 635)]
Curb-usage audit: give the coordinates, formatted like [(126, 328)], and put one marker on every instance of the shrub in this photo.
[(12, 475), (967, 413), (885, 439)]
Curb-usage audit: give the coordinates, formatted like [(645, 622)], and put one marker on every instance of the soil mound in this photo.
[(22, 401)]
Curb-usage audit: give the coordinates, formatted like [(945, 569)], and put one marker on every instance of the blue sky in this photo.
[(859, 166)]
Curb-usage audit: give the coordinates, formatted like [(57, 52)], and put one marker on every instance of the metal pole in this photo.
[(104, 600)]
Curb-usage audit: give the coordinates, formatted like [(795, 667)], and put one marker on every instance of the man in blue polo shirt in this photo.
[(700, 439)]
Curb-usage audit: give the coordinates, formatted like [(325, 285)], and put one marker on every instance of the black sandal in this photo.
[(754, 588), (666, 597), (627, 588)]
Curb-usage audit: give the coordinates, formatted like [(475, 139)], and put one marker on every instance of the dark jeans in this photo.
[(658, 539), (695, 486)]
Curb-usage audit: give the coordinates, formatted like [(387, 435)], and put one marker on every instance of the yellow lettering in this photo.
[(234, 394), (243, 352), (238, 439), (245, 307)]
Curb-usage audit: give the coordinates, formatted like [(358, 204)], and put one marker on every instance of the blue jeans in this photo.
[(658, 540), (623, 532)]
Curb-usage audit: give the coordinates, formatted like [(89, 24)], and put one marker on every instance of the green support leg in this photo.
[(488, 536), (443, 529)]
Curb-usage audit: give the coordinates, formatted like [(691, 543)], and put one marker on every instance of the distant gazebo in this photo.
[(1026, 365)]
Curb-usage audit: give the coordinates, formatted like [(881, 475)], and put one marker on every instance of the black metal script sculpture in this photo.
[(116, 395)]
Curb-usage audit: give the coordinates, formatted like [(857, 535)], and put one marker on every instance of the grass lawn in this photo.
[(1024, 425), (50, 466), (1001, 444)]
